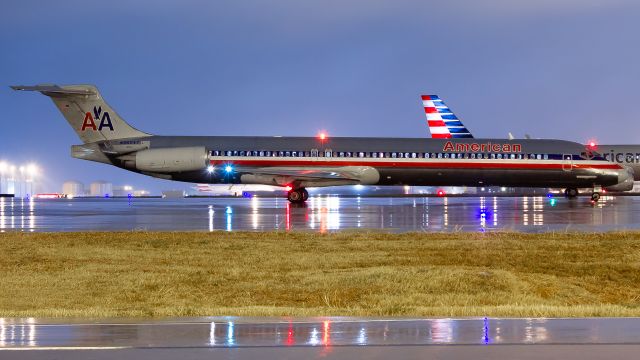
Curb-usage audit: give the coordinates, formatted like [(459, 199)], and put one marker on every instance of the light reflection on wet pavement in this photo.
[(527, 214), (328, 332)]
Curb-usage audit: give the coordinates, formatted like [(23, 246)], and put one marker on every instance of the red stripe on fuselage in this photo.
[(413, 164)]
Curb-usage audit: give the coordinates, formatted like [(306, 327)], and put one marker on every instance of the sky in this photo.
[(565, 69)]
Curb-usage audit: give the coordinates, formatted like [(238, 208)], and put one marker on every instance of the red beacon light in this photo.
[(441, 193), (322, 136), (592, 145)]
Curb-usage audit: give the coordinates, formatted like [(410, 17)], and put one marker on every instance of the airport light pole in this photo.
[(32, 171), (3, 170), (22, 170)]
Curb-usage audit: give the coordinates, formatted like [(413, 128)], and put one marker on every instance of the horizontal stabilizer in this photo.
[(53, 89)]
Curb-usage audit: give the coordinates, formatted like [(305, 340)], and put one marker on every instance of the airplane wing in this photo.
[(305, 176), (307, 173)]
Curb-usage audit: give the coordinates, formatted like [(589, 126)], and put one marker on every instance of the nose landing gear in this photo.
[(298, 196), (571, 193)]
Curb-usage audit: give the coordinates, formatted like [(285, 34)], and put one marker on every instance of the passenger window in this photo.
[(539, 157), (393, 155), (546, 156)]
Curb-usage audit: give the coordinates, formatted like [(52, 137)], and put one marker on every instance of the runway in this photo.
[(321, 214), (321, 337)]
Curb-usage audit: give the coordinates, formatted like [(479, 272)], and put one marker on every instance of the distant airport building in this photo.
[(125, 190), (21, 181), (101, 188), (73, 188)]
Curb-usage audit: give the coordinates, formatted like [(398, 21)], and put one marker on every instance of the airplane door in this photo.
[(567, 162), (328, 154)]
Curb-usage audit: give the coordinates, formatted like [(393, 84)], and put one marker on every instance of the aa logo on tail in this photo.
[(89, 122)]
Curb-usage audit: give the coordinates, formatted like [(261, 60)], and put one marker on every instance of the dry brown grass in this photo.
[(309, 274)]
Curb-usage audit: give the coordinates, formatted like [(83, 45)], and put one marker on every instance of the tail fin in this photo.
[(443, 124), (87, 113)]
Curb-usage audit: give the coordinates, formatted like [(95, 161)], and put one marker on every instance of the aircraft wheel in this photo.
[(305, 194), (595, 196), (295, 196), (571, 192)]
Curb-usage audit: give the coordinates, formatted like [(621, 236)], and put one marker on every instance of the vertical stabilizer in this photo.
[(87, 112), (443, 124)]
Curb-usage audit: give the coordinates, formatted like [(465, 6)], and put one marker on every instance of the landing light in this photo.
[(210, 169), (228, 168)]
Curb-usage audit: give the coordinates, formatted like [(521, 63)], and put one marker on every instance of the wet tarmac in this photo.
[(326, 332), (527, 214), (322, 336)]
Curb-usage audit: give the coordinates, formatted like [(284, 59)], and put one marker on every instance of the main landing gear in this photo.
[(573, 192), (298, 196)]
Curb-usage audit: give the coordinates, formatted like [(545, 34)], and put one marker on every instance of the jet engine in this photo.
[(625, 180), (169, 160)]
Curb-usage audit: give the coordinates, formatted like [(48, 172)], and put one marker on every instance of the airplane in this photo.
[(295, 163), (626, 155)]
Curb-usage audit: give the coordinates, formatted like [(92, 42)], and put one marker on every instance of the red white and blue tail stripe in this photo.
[(443, 124)]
